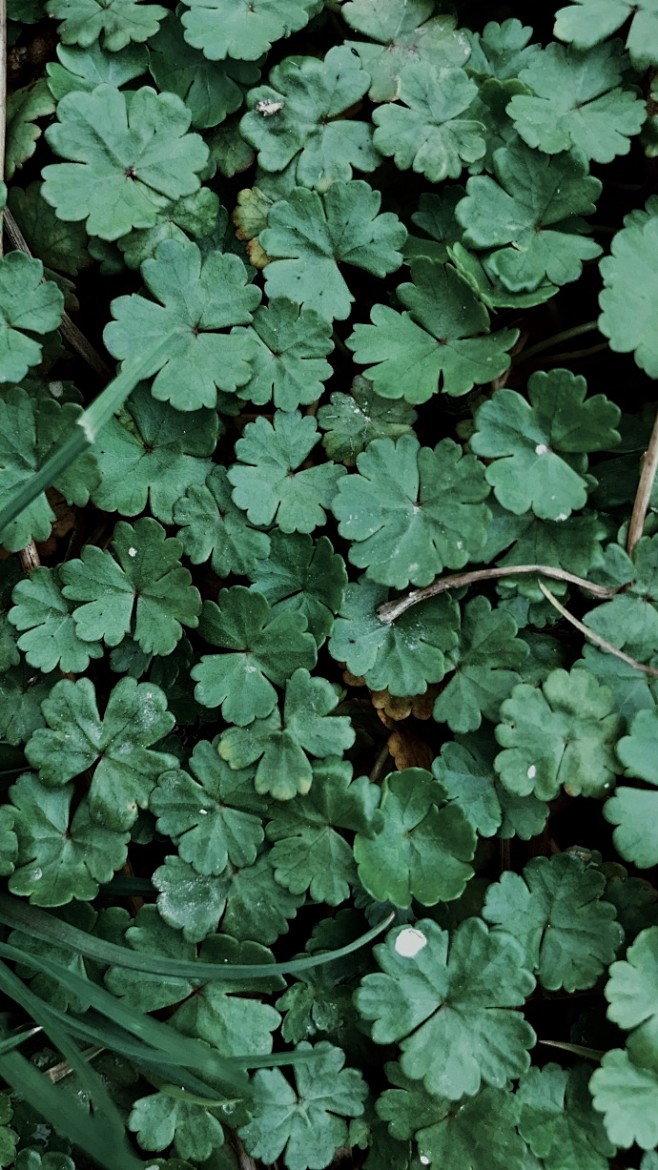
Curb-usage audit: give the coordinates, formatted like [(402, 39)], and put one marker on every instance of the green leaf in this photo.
[(628, 274), (140, 590), (210, 814), (573, 544), (197, 298), (119, 744), (199, 215), (482, 1131), (528, 217), (21, 695), (633, 810), (148, 457), (162, 1119), (249, 902), (288, 366), (23, 107), (281, 742), (128, 152), (119, 21), (421, 850), (561, 734), (577, 102), (537, 447), (405, 30), (501, 50), (297, 120), (263, 481), (304, 576), (555, 909), (464, 768), (431, 132), (486, 660), (213, 527), (402, 656), (587, 22), (86, 68), (627, 1096), (211, 90), (351, 421), (442, 343), (308, 853), (61, 855), (309, 234), (305, 1124), (222, 28), (62, 246), (558, 1120), (31, 428), (412, 511), (632, 998), (454, 996), (51, 639), (28, 304), (259, 648)]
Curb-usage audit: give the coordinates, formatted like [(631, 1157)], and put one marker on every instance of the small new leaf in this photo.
[(213, 527), (302, 575), (288, 364), (351, 421), (51, 638)]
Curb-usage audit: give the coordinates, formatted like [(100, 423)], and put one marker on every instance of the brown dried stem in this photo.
[(644, 489), (593, 637)]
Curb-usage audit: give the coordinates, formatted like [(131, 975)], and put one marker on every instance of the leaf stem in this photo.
[(549, 342), (593, 637), (644, 489), (392, 610)]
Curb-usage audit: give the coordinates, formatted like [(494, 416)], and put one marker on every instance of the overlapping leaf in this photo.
[(213, 527)]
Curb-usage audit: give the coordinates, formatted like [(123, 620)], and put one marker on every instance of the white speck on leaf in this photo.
[(532, 772), (203, 812), (37, 874), (541, 449), (409, 942), (562, 516), (424, 1160), (132, 552), (267, 108)]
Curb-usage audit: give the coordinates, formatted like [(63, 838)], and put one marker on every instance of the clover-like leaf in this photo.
[(556, 910), (61, 855), (266, 481), (258, 647), (431, 132), (587, 22), (411, 511), (307, 1124), (76, 738), (501, 50), (302, 575), (442, 343), (243, 30), (213, 527), (628, 275), (404, 31), (28, 305), (465, 770), (452, 994), (78, 68), (537, 447), (558, 1121), (62, 246), (198, 215), (289, 364), (308, 853), (21, 695), (127, 152), (140, 589), (633, 999), (118, 21), (50, 637), (528, 217), (577, 102), (150, 457), (209, 814), (283, 743), (421, 850), (351, 421), (481, 1131), (630, 620), (160, 1121), (31, 427), (486, 660), (298, 121), (24, 106), (627, 1096), (561, 734), (211, 90), (633, 810), (573, 544), (197, 298), (308, 235), (402, 656), (249, 902)]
